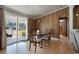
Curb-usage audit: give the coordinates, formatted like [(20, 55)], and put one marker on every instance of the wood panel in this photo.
[(46, 23), (50, 21), (42, 25), (31, 25), (55, 24)]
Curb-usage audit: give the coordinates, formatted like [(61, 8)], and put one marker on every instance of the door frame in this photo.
[(67, 25)]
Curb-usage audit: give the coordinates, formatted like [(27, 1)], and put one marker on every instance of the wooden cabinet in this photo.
[(76, 17)]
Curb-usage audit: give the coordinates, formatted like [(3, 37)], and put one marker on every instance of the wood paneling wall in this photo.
[(51, 21), (31, 25)]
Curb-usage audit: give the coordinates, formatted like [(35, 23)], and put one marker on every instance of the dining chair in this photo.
[(47, 38), (34, 39)]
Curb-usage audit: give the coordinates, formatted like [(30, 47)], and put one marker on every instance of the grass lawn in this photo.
[(21, 32)]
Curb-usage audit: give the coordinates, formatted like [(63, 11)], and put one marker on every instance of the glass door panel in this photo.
[(21, 28), (11, 31)]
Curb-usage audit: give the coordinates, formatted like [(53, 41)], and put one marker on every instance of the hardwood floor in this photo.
[(58, 46)]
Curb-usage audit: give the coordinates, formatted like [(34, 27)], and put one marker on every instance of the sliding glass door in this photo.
[(16, 28)]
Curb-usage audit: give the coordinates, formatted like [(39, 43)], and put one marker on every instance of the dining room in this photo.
[(44, 33)]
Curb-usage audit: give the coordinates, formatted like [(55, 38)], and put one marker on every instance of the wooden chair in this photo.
[(34, 39), (47, 38)]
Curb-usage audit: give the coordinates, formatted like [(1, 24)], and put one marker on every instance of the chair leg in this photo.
[(41, 44), (35, 47), (45, 41), (30, 45), (49, 43)]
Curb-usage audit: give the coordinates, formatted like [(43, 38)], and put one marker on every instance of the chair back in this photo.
[(50, 34)]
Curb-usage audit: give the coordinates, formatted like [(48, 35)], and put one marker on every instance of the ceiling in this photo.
[(34, 10)]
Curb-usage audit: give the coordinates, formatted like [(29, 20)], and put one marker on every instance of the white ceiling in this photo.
[(35, 10)]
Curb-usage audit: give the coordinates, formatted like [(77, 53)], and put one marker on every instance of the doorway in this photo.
[(63, 26)]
